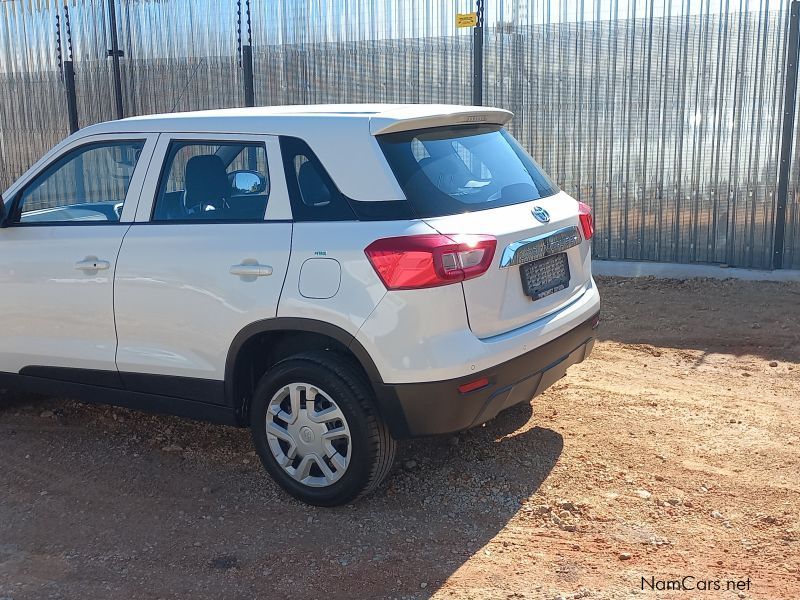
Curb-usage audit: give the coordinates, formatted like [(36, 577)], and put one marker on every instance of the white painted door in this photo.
[(58, 252), (206, 257)]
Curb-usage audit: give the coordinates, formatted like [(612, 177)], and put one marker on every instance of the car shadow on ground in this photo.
[(139, 505)]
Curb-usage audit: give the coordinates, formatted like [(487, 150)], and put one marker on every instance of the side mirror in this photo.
[(247, 182), (2, 212)]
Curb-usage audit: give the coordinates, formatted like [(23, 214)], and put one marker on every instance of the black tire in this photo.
[(372, 447)]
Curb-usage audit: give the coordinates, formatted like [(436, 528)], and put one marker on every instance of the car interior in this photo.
[(206, 186), (210, 191), (313, 190), (86, 185)]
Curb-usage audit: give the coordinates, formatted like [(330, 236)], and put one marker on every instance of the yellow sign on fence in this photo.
[(466, 19)]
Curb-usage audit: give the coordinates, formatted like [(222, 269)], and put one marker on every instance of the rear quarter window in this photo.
[(312, 192), (315, 196), (464, 168)]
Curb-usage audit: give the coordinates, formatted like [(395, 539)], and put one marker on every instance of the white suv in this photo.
[(335, 277)]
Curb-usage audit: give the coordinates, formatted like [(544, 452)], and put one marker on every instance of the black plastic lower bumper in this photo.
[(417, 409)]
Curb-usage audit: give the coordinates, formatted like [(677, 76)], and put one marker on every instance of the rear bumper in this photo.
[(417, 409)]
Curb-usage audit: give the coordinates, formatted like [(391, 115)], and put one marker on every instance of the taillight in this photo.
[(587, 222), (422, 261)]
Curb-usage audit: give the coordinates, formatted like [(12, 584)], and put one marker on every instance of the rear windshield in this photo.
[(464, 168)]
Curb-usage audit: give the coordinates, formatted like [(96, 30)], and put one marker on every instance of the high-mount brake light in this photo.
[(430, 260)]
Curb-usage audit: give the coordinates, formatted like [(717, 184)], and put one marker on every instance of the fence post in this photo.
[(72, 98), (67, 68), (115, 53), (477, 58), (244, 40), (247, 74), (787, 133)]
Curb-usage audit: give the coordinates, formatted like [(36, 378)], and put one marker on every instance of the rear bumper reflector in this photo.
[(473, 385)]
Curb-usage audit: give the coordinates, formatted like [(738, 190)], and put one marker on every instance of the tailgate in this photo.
[(552, 256)]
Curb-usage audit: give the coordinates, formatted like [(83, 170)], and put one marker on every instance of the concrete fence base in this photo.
[(678, 271)]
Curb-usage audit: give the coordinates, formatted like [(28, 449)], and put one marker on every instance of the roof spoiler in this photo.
[(408, 118)]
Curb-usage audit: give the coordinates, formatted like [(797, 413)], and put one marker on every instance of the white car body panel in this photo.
[(54, 314), (360, 290), (439, 344), (177, 304), (496, 302)]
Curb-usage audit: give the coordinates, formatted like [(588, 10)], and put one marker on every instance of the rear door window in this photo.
[(452, 170), (217, 181)]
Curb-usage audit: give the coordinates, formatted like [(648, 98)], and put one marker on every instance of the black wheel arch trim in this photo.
[(295, 324)]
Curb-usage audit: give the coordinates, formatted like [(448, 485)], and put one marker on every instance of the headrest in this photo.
[(312, 188), (206, 181)]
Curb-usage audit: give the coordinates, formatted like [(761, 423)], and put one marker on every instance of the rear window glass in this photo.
[(464, 168)]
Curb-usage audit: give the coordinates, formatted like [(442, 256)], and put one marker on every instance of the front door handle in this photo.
[(92, 263), (256, 270)]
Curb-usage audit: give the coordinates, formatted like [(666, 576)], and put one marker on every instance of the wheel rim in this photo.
[(308, 435)]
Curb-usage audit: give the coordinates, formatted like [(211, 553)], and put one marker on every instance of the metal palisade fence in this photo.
[(666, 116)]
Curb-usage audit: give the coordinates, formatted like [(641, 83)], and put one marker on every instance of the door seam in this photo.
[(119, 251), (114, 298)]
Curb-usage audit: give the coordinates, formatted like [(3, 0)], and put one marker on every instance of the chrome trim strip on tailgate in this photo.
[(535, 248)]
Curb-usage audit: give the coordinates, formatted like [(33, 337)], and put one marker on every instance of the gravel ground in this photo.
[(671, 452)]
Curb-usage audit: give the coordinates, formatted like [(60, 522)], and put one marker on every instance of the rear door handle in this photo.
[(91, 263), (251, 270)]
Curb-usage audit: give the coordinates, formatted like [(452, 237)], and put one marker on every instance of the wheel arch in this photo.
[(310, 330)]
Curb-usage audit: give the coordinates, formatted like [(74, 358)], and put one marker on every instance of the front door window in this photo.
[(87, 185)]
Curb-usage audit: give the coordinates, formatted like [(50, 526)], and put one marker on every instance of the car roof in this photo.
[(284, 120), (341, 135)]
